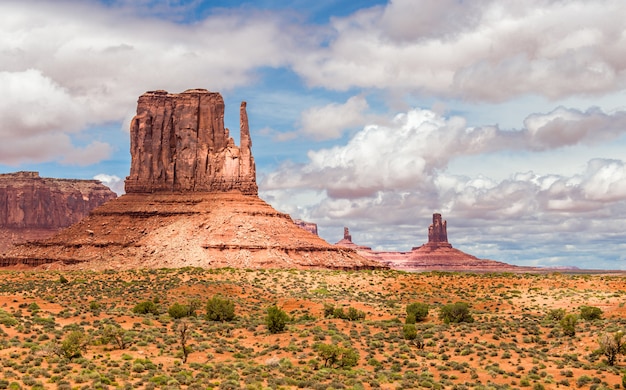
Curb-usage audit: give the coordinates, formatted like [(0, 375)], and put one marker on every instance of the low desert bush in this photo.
[(220, 309), (146, 307), (276, 319), (456, 313)]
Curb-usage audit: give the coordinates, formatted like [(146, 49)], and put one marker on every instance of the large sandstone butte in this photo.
[(191, 201), (34, 207), (178, 143), (436, 254)]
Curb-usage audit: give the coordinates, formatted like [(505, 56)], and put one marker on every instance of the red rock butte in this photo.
[(436, 254), (179, 143), (191, 200), (34, 207)]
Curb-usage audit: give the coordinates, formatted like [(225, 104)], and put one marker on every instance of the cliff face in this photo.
[(179, 144), (32, 207)]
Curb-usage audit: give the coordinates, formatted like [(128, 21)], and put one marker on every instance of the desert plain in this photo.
[(514, 341)]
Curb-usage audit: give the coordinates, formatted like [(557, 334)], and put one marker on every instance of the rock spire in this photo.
[(179, 144), (438, 231)]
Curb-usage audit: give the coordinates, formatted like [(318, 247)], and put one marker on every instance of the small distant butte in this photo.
[(436, 254)]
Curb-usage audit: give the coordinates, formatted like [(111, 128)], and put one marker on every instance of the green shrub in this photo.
[(276, 319), (146, 307), (7, 319), (73, 345), (416, 312), (220, 309), (568, 324), (337, 312), (409, 332), (455, 313), (590, 313), (334, 355), (556, 314), (178, 310)]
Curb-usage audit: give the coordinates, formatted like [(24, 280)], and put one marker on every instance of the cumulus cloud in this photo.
[(478, 50), (397, 175), (330, 121), (65, 65), (419, 144)]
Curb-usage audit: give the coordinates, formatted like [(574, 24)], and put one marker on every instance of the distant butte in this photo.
[(191, 200), (436, 254), (34, 207)]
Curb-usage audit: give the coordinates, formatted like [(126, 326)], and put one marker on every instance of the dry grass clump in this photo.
[(150, 329)]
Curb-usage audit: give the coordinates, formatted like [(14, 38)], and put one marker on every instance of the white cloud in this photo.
[(65, 65), (397, 175), (478, 50), (113, 182), (330, 121)]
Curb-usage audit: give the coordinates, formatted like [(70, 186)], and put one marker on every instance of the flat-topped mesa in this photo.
[(438, 232), (179, 144)]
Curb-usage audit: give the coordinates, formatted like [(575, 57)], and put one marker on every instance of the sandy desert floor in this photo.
[(512, 343)]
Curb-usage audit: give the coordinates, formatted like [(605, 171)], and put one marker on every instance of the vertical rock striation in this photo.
[(179, 144)]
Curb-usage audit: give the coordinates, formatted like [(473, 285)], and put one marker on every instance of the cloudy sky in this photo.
[(508, 117)]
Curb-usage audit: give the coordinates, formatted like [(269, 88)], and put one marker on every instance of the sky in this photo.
[(507, 117)]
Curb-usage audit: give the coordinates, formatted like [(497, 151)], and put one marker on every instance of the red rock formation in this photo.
[(33, 207), (308, 226), (191, 201), (436, 254), (438, 233), (179, 143)]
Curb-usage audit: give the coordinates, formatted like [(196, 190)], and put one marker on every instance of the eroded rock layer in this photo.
[(225, 229), (179, 143), (34, 207)]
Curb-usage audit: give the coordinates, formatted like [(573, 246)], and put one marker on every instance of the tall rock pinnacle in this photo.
[(438, 232), (179, 144)]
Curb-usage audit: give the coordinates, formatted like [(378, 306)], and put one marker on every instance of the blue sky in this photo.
[(507, 117)]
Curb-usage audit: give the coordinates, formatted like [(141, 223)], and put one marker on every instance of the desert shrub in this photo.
[(611, 345), (117, 335), (146, 307), (590, 313), (276, 319), (409, 331), (94, 306), (334, 355), (220, 309), (556, 314), (178, 310), (354, 314), (455, 313), (7, 319), (337, 312), (329, 310), (416, 312), (568, 324), (72, 345)]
